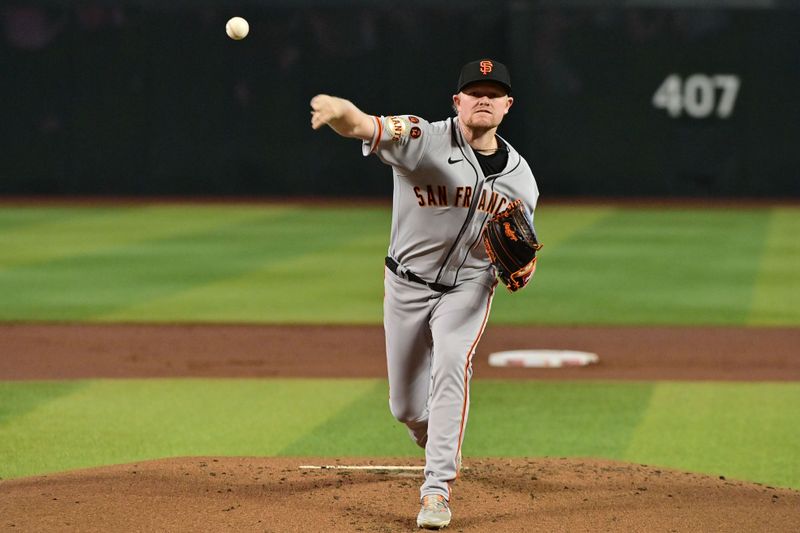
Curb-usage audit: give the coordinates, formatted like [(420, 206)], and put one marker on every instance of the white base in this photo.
[(542, 358)]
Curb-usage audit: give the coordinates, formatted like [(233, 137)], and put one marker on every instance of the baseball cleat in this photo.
[(435, 513)]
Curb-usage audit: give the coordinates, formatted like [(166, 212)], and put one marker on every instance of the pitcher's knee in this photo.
[(406, 413), (417, 423)]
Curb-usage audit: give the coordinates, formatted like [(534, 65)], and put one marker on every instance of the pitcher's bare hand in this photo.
[(342, 115), (324, 109)]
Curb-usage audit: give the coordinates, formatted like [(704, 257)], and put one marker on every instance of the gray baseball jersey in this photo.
[(441, 197), (439, 283)]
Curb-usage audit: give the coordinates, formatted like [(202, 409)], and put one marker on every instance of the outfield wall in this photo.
[(131, 98)]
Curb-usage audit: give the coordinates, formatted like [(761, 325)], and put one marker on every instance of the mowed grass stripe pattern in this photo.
[(740, 430), (777, 291), (646, 266), (217, 263), (41, 235), (746, 430), (50, 426), (151, 272)]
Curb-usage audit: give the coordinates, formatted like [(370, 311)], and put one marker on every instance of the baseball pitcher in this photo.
[(462, 216)]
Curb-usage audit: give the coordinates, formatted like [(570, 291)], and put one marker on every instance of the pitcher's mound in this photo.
[(498, 495)]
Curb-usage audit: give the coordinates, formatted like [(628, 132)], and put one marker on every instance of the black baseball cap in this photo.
[(484, 70)]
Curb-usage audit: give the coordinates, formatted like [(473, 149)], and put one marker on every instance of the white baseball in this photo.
[(237, 28)]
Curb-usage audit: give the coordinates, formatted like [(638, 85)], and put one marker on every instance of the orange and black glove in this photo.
[(511, 245)]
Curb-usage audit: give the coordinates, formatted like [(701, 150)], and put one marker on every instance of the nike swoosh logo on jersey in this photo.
[(453, 161)]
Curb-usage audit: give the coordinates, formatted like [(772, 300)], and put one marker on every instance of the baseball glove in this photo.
[(511, 245)]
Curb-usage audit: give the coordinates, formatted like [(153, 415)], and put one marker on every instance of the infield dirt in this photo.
[(63, 351)]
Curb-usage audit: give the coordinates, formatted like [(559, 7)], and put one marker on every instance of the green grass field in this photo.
[(291, 264)]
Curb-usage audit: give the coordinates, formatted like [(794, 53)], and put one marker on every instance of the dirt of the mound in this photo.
[(65, 351), (275, 495)]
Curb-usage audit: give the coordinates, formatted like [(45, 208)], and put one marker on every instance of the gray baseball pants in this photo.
[(431, 338)]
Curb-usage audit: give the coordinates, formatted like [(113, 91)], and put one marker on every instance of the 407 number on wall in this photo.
[(698, 95)]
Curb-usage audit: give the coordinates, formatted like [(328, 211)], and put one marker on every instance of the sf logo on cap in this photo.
[(486, 67)]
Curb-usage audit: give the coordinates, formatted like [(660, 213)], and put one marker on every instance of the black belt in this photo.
[(410, 276)]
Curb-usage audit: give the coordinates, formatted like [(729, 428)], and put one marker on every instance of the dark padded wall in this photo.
[(595, 127), (129, 98)]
